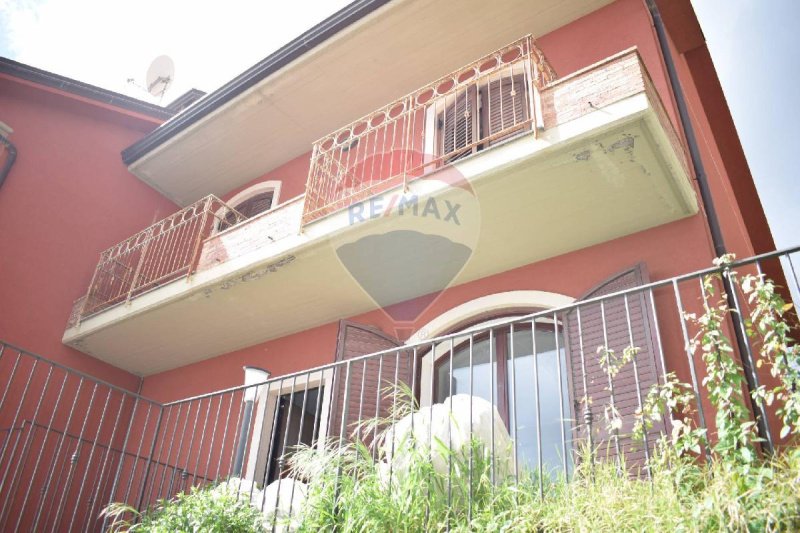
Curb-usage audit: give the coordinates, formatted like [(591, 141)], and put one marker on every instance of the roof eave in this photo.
[(283, 56)]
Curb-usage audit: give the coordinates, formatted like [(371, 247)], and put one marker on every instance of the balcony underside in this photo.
[(610, 173), (384, 56)]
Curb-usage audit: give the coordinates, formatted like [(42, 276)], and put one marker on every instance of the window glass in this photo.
[(549, 413), (482, 372), (530, 393)]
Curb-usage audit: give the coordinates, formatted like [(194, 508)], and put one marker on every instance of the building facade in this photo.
[(401, 173)]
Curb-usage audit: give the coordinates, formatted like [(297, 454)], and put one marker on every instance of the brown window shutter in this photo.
[(618, 333), (354, 341), (255, 204), (458, 125), (249, 208), (505, 105)]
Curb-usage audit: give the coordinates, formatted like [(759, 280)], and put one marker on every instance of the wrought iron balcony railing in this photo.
[(467, 110), (163, 252)]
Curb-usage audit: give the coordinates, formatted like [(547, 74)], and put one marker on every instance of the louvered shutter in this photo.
[(618, 334), (249, 208), (255, 204), (458, 125), (505, 105), (354, 341)]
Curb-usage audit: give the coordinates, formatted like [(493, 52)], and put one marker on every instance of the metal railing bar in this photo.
[(41, 449), (11, 491), (281, 459), (640, 401), (300, 431), (169, 450), (738, 319), (538, 410), (562, 418), (689, 355), (213, 439), (88, 462), (224, 436), (136, 457), (14, 423), (74, 372), (40, 505), (101, 474)]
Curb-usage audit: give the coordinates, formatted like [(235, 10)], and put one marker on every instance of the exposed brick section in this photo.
[(252, 234), (595, 87)]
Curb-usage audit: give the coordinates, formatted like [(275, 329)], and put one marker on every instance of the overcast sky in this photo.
[(755, 45)]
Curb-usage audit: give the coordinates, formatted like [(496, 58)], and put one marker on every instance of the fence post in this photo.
[(138, 270)]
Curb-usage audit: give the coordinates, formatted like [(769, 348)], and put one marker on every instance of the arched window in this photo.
[(523, 371), (252, 201)]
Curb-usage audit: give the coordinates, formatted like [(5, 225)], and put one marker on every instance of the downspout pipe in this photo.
[(12, 156), (713, 222)]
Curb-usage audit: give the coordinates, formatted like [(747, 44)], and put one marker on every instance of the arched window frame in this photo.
[(273, 186), (481, 315)]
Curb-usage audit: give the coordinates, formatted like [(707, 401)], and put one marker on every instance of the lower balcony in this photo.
[(458, 181), (530, 392)]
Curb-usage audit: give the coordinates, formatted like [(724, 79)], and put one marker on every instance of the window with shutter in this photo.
[(494, 111), (505, 106), (249, 208), (458, 124)]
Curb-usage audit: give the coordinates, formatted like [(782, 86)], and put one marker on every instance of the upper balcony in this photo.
[(428, 191)]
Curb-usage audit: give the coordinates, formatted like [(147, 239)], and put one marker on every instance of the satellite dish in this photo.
[(160, 76)]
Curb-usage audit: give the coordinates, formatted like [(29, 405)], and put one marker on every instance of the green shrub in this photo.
[(212, 509)]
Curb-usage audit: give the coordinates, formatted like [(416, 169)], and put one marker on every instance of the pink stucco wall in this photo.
[(667, 250), (68, 197)]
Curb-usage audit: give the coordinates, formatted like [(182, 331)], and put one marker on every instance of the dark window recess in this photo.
[(493, 111), (296, 422), (249, 208)]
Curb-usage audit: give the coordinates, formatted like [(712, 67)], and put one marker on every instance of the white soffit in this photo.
[(400, 47)]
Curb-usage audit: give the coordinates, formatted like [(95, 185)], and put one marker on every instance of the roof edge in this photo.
[(289, 52), (79, 88)]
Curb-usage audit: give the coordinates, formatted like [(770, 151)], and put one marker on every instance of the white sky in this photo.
[(105, 42), (754, 43)]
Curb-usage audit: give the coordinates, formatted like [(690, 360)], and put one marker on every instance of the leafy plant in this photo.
[(768, 323), (212, 509)]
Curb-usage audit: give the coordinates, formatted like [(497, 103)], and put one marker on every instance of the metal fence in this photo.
[(471, 108), (70, 443), (163, 252)]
